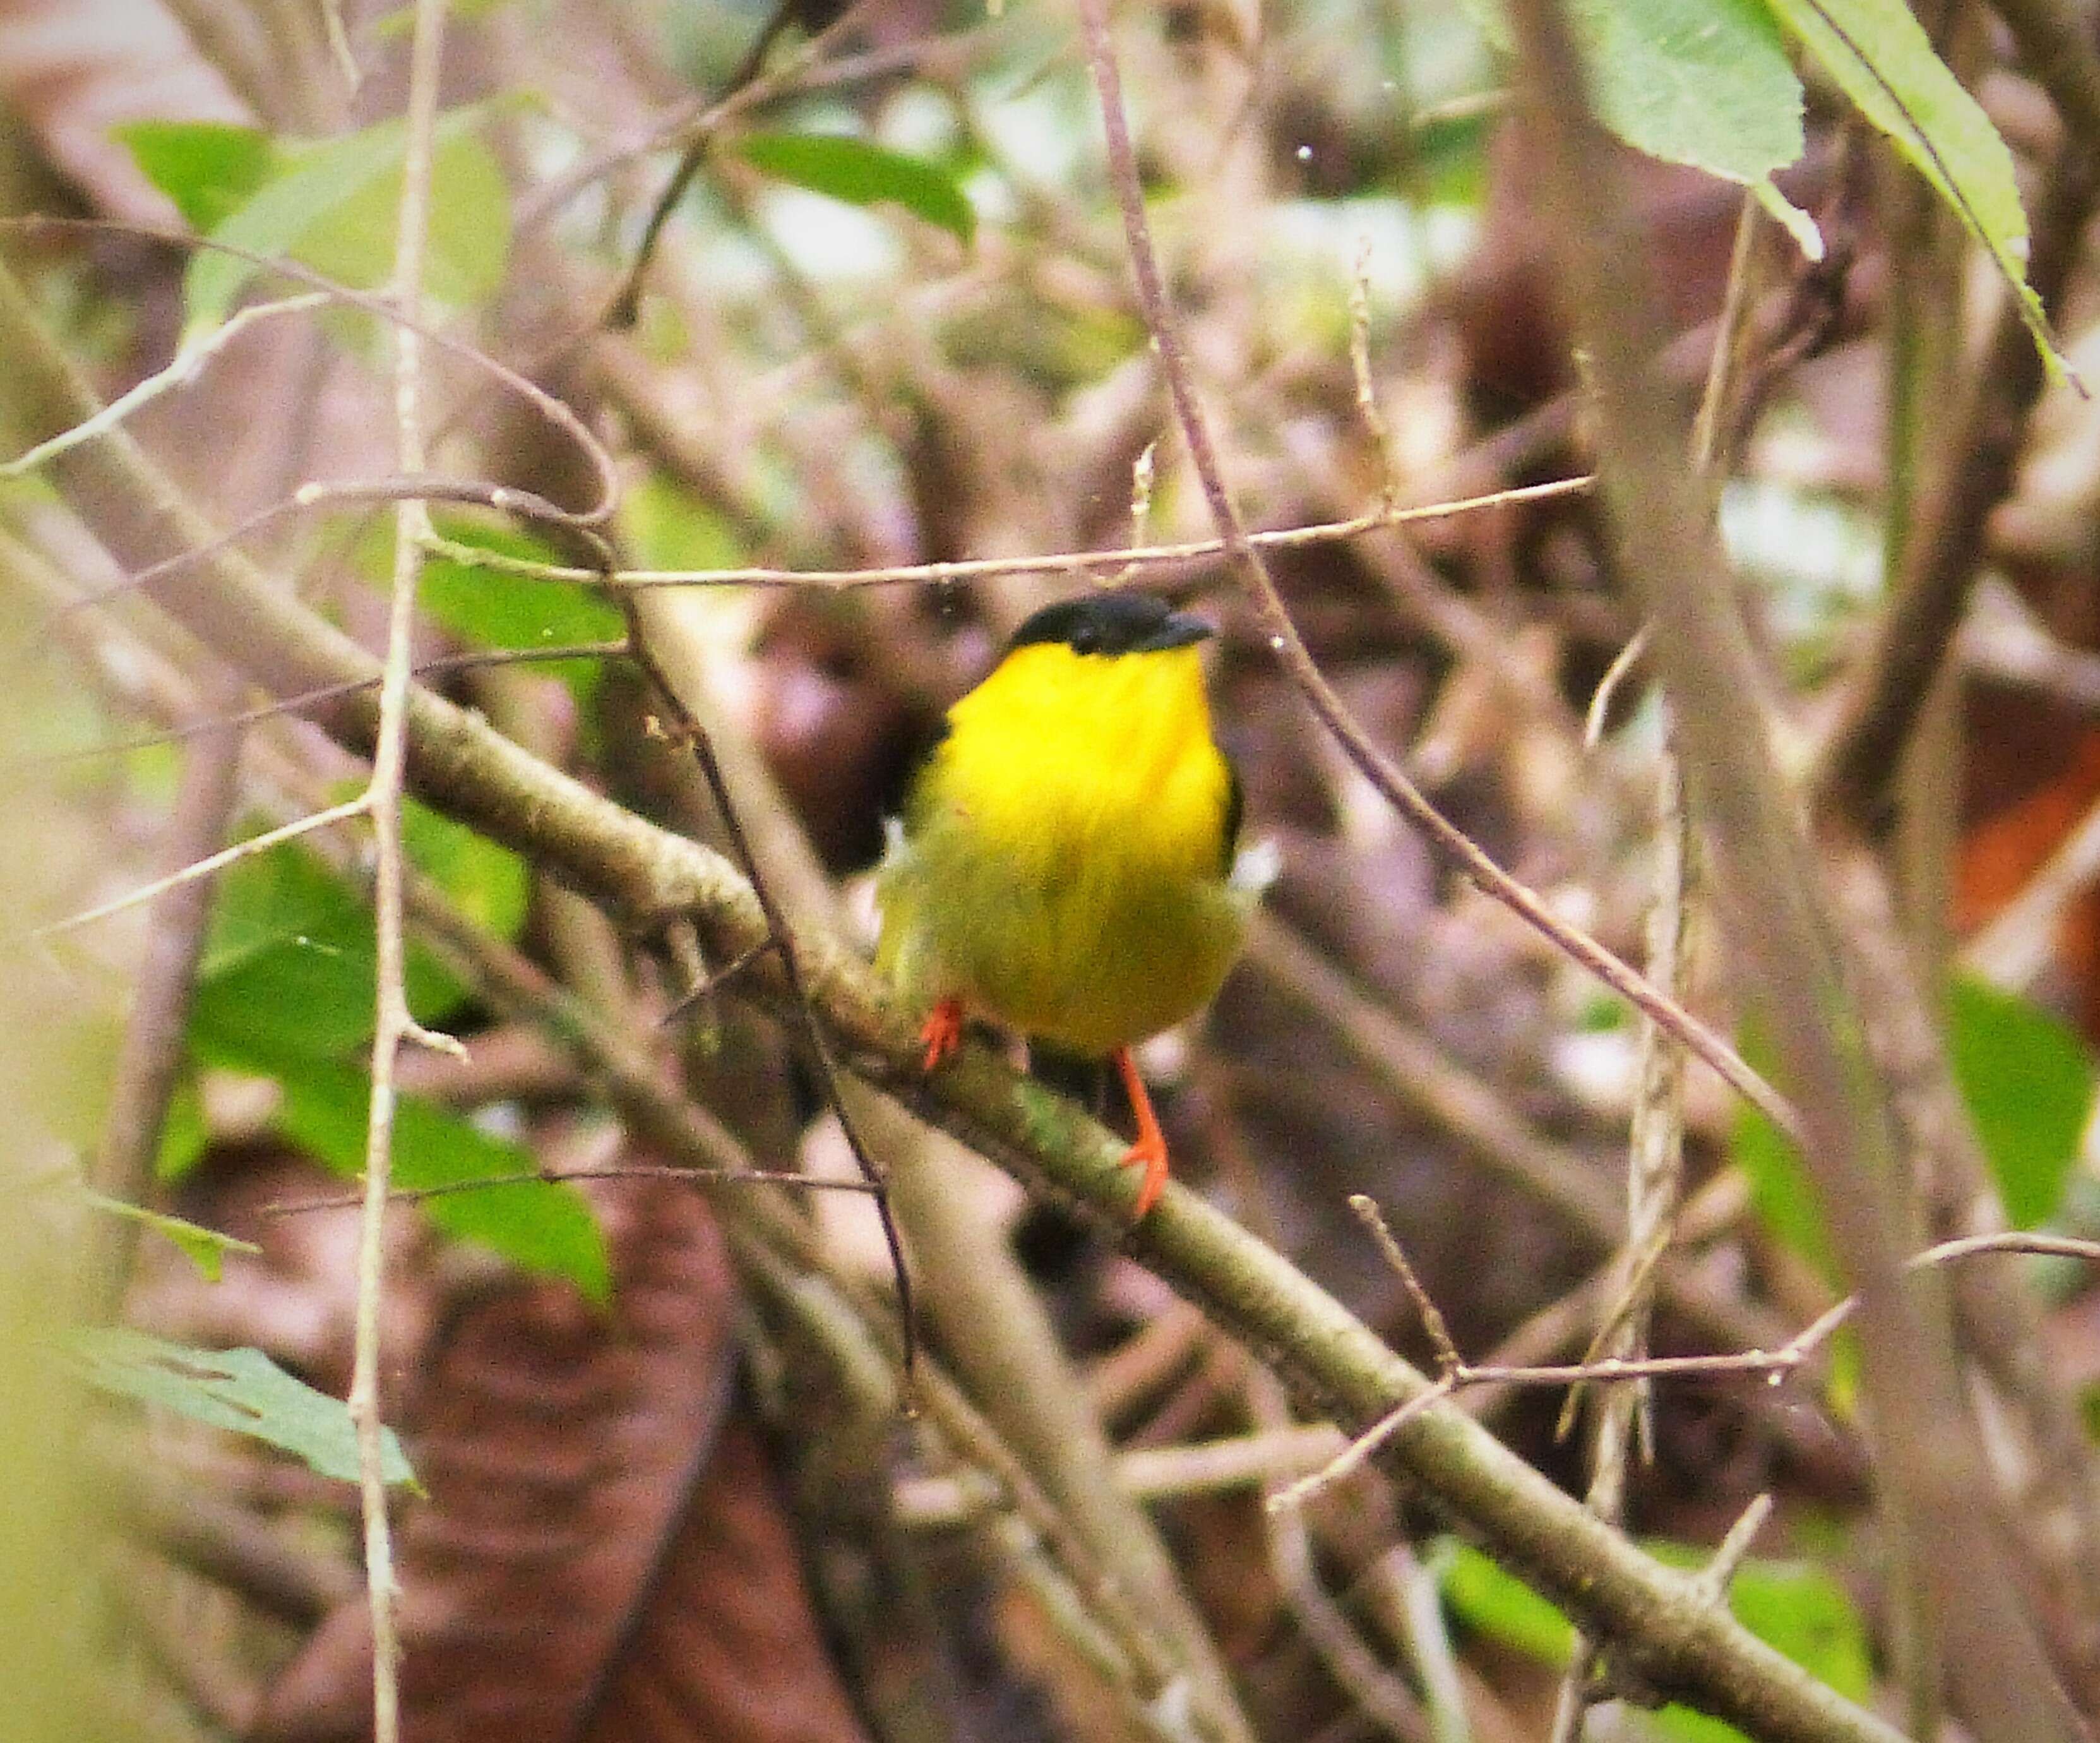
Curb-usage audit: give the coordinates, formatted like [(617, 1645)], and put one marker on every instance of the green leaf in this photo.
[(669, 527), (862, 174), (486, 881), (544, 1227), (290, 965), (206, 1248), (185, 1133), (2028, 1084), (1781, 1192), (1500, 1604), (1880, 56), (333, 207), (1795, 1608), (209, 168), (493, 609), (1704, 82), (237, 1389)]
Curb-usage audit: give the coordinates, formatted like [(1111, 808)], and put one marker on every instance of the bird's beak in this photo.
[(1179, 630)]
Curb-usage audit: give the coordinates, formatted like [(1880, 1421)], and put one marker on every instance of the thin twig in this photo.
[(205, 867), (1655, 1148), (627, 300), (1772, 1365), (557, 412), (1077, 564), (479, 660), (393, 1024), (694, 736), (699, 116), (181, 372), (155, 1028), (635, 1170)]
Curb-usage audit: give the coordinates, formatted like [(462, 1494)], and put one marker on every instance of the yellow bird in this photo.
[(1065, 863)]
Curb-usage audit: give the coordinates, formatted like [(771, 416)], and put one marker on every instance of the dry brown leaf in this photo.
[(598, 1556)]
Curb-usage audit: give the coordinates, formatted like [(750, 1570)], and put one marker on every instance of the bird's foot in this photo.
[(1149, 1151), (942, 1033)]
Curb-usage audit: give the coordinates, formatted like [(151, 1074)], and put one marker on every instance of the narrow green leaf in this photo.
[(241, 1390), (1879, 56), (863, 174), (333, 207), (209, 168), (544, 1227), (205, 1248), (2028, 1084)]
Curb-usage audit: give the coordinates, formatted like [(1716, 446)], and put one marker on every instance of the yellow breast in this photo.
[(1064, 862)]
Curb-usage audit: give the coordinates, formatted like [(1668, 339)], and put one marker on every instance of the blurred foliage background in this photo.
[(890, 323)]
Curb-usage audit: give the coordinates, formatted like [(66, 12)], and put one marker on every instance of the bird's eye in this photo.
[(1086, 641)]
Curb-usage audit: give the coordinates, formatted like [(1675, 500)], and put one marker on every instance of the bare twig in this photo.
[(1378, 1692), (478, 660), (632, 1171), (393, 1022), (188, 364), (1655, 1149), (205, 867), (1077, 564), (155, 1028), (1772, 1365), (694, 735), (382, 308)]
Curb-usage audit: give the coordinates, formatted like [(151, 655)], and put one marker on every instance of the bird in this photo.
[(1064, 862)]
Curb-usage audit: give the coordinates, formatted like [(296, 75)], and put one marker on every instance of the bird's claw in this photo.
[(942, 1033), (1149, 1152)]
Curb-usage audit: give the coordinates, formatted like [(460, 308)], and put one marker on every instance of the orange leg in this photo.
[(1150, 1149), (942, 1032)]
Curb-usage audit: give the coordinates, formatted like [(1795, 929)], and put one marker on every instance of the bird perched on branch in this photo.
[(1065, 864)]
